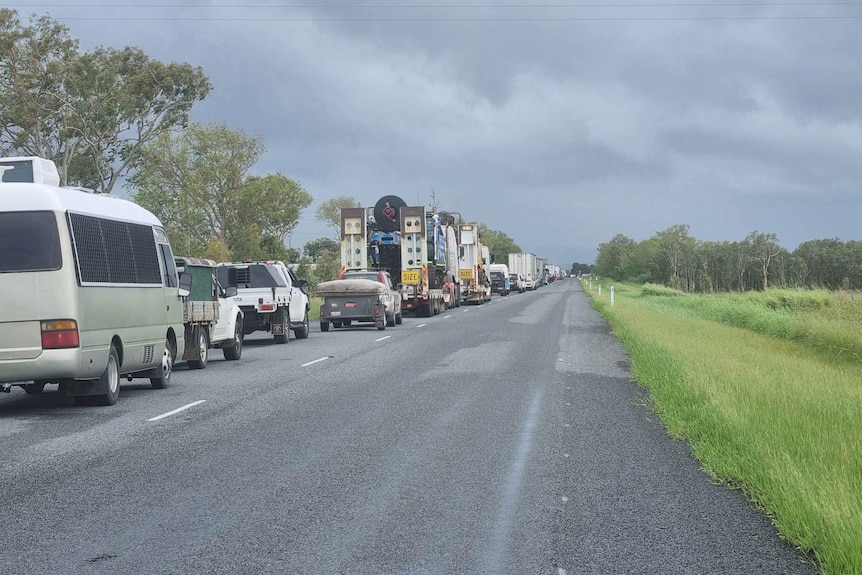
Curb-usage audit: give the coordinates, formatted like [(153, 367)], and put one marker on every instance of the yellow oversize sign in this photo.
[(467, 274), (410, 277)]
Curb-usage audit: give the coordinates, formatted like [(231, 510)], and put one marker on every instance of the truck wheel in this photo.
[(280, 318), (381, 326), (200, 338), (302, 332), (324, 326), (399, 318), (109, 379), (234, 351), (390, 321), (166, 368)]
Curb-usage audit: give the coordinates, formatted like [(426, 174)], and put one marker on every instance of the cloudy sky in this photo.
[(560, 123)]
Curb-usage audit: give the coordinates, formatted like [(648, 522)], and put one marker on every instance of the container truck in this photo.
[(525, 264)]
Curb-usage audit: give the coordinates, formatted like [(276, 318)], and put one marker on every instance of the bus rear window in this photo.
[(29, 242)]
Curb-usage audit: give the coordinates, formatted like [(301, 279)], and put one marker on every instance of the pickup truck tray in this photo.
[(352, 300)]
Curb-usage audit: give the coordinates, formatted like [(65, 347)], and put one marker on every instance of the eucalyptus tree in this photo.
[(329, 212), (763, 248), (91, 113), (499, 243), (197, 183)]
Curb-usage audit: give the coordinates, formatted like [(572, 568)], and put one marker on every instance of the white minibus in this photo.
[(89, 292)]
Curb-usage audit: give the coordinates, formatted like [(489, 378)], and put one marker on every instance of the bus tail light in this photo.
[(60, 334)]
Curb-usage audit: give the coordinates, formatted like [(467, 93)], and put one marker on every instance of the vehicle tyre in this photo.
[(281, 317), (399, 317), (234, 350), (382, 326), (324, 326), (200, 336), (167, 367), (34, 388), (302, 332), (390, 321), (111, 379), (347, 322)]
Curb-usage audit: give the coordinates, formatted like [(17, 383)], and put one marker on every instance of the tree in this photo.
[(90, 113), (196, 182), (763, 247), (613, 256), (317, 248), (499, 244), (678, 248), (329, 212)]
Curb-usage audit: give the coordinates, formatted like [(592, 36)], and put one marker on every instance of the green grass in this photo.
[(767, 390), (314, 309)]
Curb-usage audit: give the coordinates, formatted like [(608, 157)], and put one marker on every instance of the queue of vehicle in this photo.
[(94, 294)]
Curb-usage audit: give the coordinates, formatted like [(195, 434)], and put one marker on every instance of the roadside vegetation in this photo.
[(766, 387)]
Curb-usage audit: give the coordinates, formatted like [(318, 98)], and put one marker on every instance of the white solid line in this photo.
[(177, 410), (382, 338), (422, 325), (315, 361)]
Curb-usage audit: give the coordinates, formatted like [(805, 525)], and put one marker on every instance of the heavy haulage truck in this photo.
[(419, 250), (475, 282)]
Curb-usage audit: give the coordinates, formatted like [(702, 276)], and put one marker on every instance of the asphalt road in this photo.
[(505, 438)]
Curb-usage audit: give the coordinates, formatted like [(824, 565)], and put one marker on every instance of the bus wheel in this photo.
[(110, 380), (166, 368), (203, 342)]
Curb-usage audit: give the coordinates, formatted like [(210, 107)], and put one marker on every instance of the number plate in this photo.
[(410, 277), (466, 274), (335, 314)]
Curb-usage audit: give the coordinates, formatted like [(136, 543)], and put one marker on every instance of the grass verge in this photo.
[(766, 406)]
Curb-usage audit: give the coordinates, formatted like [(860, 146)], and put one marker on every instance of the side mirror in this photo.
[(185, 284), (303, 284), (230, 291)]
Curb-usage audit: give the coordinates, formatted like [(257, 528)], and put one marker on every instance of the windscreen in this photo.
[(29, 242), (498, 275)]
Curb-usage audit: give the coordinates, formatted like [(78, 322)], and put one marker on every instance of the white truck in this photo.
[(525, 264), (271, 298)]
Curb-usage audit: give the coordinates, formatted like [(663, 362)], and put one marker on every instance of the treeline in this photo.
[(674, 258)]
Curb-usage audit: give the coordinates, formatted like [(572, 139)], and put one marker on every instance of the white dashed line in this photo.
[(382, 338), (315, 361), (446, 317), (422, 325), (177, 410), (465, 310)]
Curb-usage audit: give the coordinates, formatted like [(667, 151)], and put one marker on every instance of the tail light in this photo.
[(60, 334), (267, 307)]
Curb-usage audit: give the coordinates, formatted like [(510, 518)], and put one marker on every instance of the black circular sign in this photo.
[(386, 213)]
